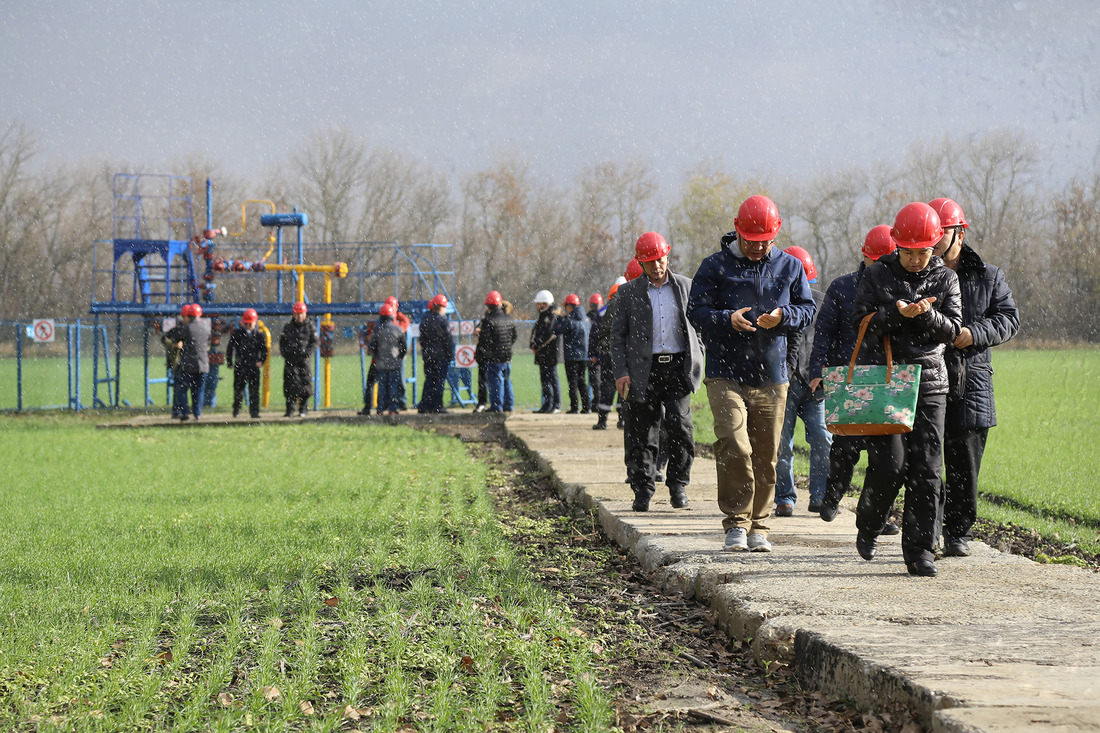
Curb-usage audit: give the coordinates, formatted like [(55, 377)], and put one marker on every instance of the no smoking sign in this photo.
[(464, 356), (43, 331)]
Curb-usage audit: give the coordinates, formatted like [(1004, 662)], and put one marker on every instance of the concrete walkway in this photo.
[(995, 643)]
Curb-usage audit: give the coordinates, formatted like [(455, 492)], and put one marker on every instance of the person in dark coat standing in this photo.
[(834, 341), (574, 329), (190, 338), (296, 344), (496, 337), (914, 299), (437, 348), (387, 348), (600, 344), (545, 344), (657, 361), (990, 318), (595, 317), (745, 299), (245, 355)]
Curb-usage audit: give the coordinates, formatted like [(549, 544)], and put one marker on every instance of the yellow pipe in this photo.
[(265, 386), (327, 390), (251, 201)]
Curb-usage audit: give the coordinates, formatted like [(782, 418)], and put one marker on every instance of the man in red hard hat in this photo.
[(437, 348), (495, 340), (574, 328), (387, 349), (296, 345), (190, 338), (657, 359), (745, 299), (595, 369), (990, 318), (249, 347), (912, 298), (834, 341)]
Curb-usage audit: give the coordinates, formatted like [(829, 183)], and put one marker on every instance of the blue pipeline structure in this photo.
[(156, 262)]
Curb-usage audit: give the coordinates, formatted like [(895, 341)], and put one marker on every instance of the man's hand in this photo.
[(965, 339), (739, 322), (814, 383), (622, 386), (770, 320), (179, 344), (912, 310)]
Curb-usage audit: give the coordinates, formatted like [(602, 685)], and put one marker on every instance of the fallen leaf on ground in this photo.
[(271, 693)]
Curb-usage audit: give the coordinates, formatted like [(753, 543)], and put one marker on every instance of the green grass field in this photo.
[(278, 579)]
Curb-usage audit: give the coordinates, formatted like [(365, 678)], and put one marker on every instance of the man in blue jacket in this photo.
[(744, 300), (990, 318)]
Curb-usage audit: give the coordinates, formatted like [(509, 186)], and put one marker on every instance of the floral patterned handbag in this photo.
[(870, 399)]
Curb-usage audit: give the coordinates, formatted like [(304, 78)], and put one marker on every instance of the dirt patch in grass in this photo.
[(667, 666)]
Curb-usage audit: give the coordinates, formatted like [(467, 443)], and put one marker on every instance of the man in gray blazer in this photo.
[(657, 359)]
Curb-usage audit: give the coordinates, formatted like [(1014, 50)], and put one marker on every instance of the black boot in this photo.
[(601, 423)]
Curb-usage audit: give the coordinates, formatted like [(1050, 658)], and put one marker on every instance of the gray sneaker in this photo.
[(759, 543), (735, 540)]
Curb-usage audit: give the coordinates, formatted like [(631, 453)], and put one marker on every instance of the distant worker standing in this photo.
[(190, 338), (990, 318), (437, 348), (657, 358), (544, 342), (496, 337), (296, 345), (245, 355), (574, 328), (387, 348)]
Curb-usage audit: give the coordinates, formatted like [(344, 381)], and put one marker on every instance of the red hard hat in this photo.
[(196, 310), (438, 300), (386, 310), (951, 214), (185, 310), (614, 289), (806, 260), (572, 299), (298, 307), (633, 270), (878, 242), (595, 299), (758, 219), (917, 226), (250, 316), (392, 300), (650, 246), (493, 298)]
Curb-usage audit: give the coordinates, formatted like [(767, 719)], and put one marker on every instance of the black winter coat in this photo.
[(246, 347), (992, 317), (297, 341), (920, 340), (436, 343), (834, 337), (800, 345), (498, 335), (544, 340)]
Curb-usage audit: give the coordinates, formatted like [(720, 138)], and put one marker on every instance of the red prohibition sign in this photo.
[(43, 331)]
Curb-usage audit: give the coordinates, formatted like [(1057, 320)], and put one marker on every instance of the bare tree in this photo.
[(330, 169), (825, 217)]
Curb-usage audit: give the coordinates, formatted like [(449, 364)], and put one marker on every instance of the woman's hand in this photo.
[(912, 310)]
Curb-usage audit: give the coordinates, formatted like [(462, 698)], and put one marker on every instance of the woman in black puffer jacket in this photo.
[(916, 300)]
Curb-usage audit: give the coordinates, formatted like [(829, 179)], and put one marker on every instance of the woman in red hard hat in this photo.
[(915, 300), (249, 347), (296, 344)]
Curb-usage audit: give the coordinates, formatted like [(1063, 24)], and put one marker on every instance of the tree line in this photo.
[(517, 232)]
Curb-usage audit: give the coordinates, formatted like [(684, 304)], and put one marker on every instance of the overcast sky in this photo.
[(772, 88)]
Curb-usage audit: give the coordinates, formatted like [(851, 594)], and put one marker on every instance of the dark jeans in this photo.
[(551, 389), (916, 460), (605, 378), (668, 388), (498, 376), (389, 385), (963, 449), (431, 397), (249, 378), (187, 383), (574, 373)]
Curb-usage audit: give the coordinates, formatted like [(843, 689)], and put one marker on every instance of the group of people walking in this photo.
[(750, 327)]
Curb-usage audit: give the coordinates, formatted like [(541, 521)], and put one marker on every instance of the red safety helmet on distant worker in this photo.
[(807, 261), (196, 310), (438, 300), (298, 307), (572, 299), (386, 310), (650, 246), (758, 219), (493, 298), (633, 270), (595, 299), (185, 310), (878, 242), (614, 289), (917, 226), (250, 316), (950, 213), (392, 300)]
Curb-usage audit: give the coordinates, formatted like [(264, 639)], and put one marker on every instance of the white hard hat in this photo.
[(544, 296), (620, 280)]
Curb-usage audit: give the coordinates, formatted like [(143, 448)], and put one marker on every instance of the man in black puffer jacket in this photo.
[(496, 337), (990, 318), (914, 299)]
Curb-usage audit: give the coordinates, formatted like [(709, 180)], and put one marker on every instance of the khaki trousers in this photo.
[(747, 422)]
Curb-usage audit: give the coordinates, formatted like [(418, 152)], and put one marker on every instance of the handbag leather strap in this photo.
[(859, 342)]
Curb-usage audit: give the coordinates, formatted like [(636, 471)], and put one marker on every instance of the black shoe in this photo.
[(956, 548), (601, 423), (254, 415), (365, 411), (866, 545), (236, 413), (784, 509), (922, 568), (572, 411), (678, 498), (620, 424), (814, 507), (288, 414), (890, 528), (640, 505), (828, 511), (659, 478)]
